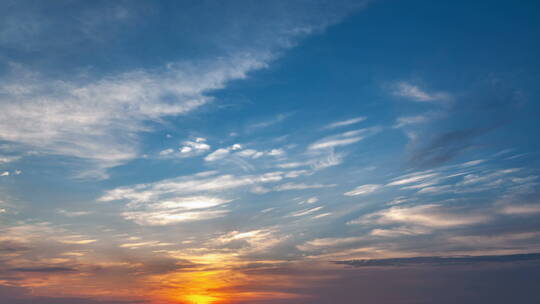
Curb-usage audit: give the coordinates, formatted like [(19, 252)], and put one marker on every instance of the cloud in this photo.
[(322, 243), (363, 190), (306, 211), (430, 215), (412, 178), (99, 121), (498, 240), (414, 93), (300, 186), (264, 124), (312, 200), (77, 242), (73, 213), (322, 162), (217, 154), (410, 120), (167, 211), (8, 159), (522, 209), (400, 231), (145, 244), (344, 123), (181, 186), (436, 260), (343, 139), (96, 113), (254, 154), (197, 146), (188, 198), (188, 148), (223, 152), (44, 269)]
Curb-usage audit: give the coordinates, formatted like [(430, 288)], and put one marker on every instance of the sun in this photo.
[(200, 299)]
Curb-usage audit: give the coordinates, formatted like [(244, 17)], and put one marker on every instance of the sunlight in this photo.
[(200, 299)]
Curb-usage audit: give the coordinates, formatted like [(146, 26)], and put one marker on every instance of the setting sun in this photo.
[(201, 299)]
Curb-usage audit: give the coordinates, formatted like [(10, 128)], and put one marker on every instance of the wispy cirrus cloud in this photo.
[(415, 93), (188, 198), (98, 118), (343, 139), (429, 215), (99, 121), (363, 190), (344, 123)]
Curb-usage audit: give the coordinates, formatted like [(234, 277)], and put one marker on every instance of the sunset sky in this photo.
[(285, 151)]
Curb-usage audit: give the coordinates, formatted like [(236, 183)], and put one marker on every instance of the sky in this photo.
[(163, 152)]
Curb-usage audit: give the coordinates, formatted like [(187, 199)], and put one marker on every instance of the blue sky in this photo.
[(204, 135)]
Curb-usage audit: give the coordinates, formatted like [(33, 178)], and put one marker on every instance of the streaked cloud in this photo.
[(522, 209), (430, 215), (301, 186), (344, 123), (415, 93), (343, 139), (363, 190)]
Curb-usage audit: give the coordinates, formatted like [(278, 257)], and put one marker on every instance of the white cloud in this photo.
[(471, 179), (305, 211), (166, 152), (187, 198), (322, 243), (166, 217), (498, 240), (223, 152), (145, 244), (318, 216), (343, 139), (312, 200), (99, 120), (73, 213), (77, 242), (431, 215), (171, 210), (187, 185), (188, 148), (199, 145), (319, 163), (413, 92), (300, 186), (217, 154), (400, 231), (335, 142), (410, 120), (435, 189), (412, 178), (251, 153), (363, 190), (520, 209), (279, 118), (473, 163), (347, 122), (235, 147), (8, 159), (260, 190), (276, 152)]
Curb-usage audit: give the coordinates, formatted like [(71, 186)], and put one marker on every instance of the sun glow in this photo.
[(200, 299)]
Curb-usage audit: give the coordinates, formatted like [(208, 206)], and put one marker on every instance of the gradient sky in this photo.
[(317, 151)]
